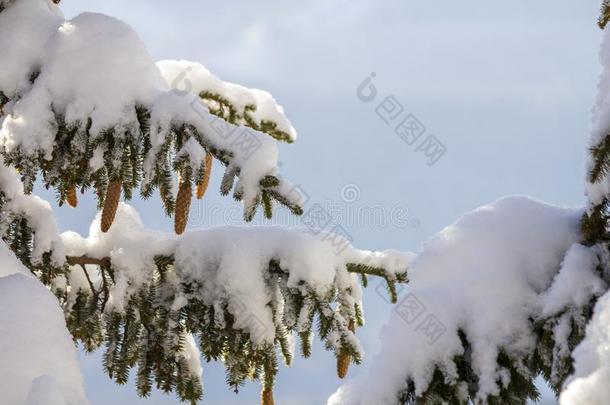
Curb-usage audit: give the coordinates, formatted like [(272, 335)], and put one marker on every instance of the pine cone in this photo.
[(343, 364), (183, 205), (203, 184), (71, 197), (111, 203), (345, 358), (267, 396)]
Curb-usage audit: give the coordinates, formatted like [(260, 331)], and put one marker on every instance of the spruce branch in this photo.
[(601, 157), (142, 341), (3, 100), (223, 108), (604, 16), (124, 156)]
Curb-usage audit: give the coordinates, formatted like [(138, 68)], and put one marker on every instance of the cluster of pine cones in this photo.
[(183, 200)]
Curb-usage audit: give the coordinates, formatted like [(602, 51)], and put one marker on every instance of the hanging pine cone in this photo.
[(267, 396), (345, 358), (183, 205), (111, 203), (71, 197), (343, 364), (202, 186)]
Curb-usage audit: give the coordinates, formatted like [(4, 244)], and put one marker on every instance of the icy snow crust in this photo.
[(94, 70), (38, 363), (504, 255)]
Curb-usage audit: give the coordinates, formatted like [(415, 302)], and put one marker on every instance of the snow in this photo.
[(483, 275), (230, 263), (93, 67), (38, 361), (254, 152), (194, 78), (589, 383), (194, 151), (601, 122), (576, 283), (580, 281), (26, 28), (36, 210), (94, 70), (192, 355), (124, 73)]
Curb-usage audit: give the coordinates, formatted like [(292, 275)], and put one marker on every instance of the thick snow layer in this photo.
[(576, 283), (124, 72), (254, 152), (229, 263), (601, 122), (25, 30), (95, 70), (10, 264), (191, 77), (589, 383), (94, 67), (37, 211), (482, 275), (38, 363)]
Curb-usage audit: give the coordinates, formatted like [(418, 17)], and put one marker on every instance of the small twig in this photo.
[(93, 290), (83, 260), (362, 269), (104, 287)]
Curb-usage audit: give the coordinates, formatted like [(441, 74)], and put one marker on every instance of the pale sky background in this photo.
[(507, 87)]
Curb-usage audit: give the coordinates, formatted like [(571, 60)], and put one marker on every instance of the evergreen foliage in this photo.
[(150, 334), (123, 156)]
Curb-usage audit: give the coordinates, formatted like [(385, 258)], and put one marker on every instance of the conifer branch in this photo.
[(604, 16), (84, 260), (274, 267)]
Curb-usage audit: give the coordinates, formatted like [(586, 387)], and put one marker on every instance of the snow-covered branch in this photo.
[(28, 219), (469, 328), (239, 290), (84, 102), (83, 105)]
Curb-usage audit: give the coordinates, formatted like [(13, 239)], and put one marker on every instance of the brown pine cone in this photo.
[(267, 396), (111, 203), (343, 364), (183, 205), (203, 184), (345, 358), (71, 197)]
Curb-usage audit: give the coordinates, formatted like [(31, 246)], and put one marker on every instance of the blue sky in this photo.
[(506, 87)]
